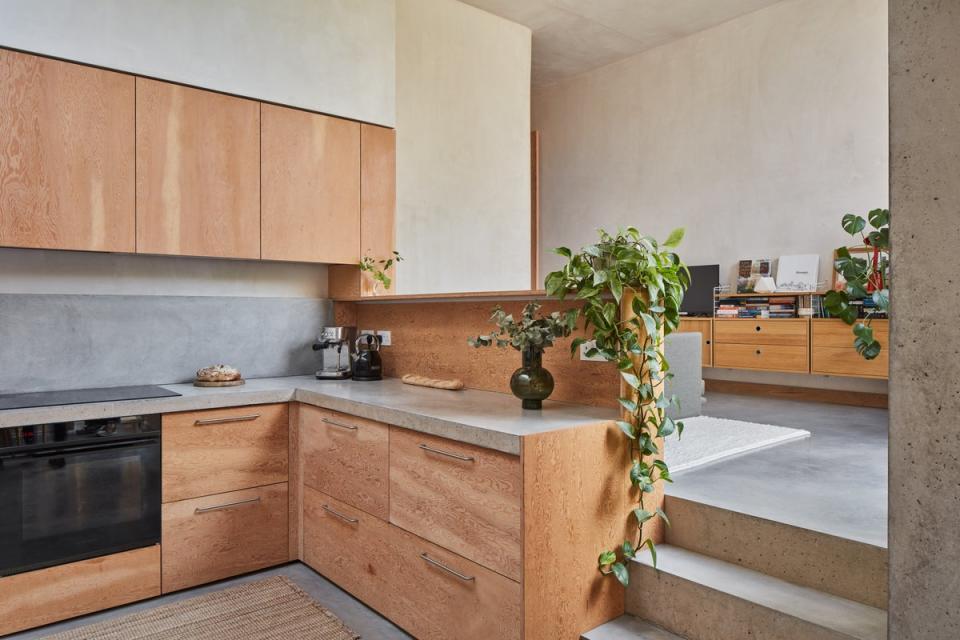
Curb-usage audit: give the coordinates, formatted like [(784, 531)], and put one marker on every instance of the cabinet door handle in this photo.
[(440, 565), (758, 327), (352, 427), (758, 352), (229, 505), (449, 454), (333, 512), (252, 416)]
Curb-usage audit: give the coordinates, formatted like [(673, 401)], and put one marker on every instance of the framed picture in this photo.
[(798, 273), (750, 271)]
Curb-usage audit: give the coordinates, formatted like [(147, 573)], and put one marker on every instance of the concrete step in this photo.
[(847, 568), (702, 598), (628, 628)]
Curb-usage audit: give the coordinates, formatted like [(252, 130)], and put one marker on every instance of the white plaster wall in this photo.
[(756, 135), (334, 56), (463, 149), (75, 272)]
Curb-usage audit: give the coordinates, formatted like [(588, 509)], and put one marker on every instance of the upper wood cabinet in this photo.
[(198, 172), (310, 170), (66, 155), (378, 196)]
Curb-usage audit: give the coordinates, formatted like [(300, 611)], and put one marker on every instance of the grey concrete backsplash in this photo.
[(77, 341)]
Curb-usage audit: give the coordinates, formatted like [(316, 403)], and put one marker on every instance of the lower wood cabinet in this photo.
[(40, 597), (763, 357), (215, 537), (425, 589), (832, 351), (703, 326)]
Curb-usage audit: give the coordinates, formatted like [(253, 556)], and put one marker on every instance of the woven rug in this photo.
[(706, 440), (270, 609)]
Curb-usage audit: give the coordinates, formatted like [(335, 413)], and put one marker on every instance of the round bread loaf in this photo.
[(218, 373)]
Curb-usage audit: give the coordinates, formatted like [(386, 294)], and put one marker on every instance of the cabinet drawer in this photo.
[(836, 333), (759, 356), (215, 537), (409, 580), (346, 457), (777, 332), (209, 452), (845, 361), (462, 497)]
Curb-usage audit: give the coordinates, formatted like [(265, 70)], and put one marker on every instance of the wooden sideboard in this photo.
[(822, 346)]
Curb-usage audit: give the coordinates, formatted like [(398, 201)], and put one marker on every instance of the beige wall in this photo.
[(334, 56), (756, 135), (463, 149)]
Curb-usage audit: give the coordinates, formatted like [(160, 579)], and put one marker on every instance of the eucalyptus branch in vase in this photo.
[(378, 270)]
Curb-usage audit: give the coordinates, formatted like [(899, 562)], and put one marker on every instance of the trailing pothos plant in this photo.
[(865, 278), (631, 287)]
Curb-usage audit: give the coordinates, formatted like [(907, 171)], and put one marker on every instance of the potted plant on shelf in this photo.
[(862, 279), (530, 336), (631, 288), (377, 270)]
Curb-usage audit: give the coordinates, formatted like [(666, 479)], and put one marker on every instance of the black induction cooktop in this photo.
[(82, 396)]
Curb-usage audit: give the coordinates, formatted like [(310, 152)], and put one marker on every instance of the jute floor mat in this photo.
[(270, 609)]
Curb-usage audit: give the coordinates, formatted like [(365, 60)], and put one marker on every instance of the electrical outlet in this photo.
[(384, 337), (586, 346)]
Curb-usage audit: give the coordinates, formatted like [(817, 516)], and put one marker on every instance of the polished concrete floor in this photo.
[(835, 481), (361, 619)]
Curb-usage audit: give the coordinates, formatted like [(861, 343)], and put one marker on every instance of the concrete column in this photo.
[(925, 344)]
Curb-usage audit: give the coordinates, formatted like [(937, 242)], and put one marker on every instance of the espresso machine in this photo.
[(336, 345)]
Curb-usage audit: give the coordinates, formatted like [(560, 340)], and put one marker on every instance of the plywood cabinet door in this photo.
[(66, 155), (311, 187), (378, 197), (198, 172)]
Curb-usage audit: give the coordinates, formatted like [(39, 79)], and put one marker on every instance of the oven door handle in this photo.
[(66, 451)]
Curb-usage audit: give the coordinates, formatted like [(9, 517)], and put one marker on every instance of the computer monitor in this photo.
[(698, 301)]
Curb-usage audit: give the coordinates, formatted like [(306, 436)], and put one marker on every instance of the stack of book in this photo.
[(728, 311), (782, 307), (757, 307)]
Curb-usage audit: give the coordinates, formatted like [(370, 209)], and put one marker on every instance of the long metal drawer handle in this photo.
[(440, 565), (449, 454), (252, 416), (339, 515), (221, 507), (352, 427)]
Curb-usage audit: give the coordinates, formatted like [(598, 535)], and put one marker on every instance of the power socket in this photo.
[(384, 337), (586, 346)]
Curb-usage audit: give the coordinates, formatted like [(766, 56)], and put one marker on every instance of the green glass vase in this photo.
[(532, 383)]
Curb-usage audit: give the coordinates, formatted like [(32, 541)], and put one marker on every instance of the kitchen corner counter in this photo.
[(484, 418)]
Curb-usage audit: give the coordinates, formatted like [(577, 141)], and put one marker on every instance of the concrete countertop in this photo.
[(483, 418)]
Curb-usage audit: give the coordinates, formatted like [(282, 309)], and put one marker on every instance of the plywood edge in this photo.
[(807, 394), (575, 503)]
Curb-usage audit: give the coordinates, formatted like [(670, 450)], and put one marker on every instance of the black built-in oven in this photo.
[(76, 490)]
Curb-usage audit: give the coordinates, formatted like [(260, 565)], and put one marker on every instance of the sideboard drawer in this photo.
[(215, 537), (783, 331), (346, 457), (762, 357), (432, 593), (465, 498), (210, 452)]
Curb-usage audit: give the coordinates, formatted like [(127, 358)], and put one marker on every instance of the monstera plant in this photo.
[(631, 288), (864, 278)]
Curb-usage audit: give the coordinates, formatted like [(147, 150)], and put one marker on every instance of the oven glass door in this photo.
[(66, 505)]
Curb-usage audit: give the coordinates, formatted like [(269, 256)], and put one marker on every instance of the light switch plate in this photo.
[(586, 346), (384, 337)]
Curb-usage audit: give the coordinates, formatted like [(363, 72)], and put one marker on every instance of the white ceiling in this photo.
[(573, 36)]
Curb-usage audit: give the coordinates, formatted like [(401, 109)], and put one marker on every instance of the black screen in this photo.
[(698, 301)]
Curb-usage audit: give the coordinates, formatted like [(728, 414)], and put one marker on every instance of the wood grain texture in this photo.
[(40, 597), (762, 357), (66, 155), (430, 339), (785, 331), (198, 172), (804, 394), (204, 547), (382, 565), (343, 282), (294, 484), (576, 503), (535, 281), (310, 172), (350, 464), (378, 198), (471, 507), (237, 453), (832, 351), (703, 326)]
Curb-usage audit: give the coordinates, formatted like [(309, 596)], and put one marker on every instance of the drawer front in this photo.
[(703, 326), (836, 333), (461, 497), (762, 357), (774, 332), (412, 582), (845, 361), (346, 457), (210, 452), (215, 537), (36, 598)]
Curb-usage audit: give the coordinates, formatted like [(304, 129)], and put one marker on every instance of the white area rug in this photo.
[(707, 440)]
